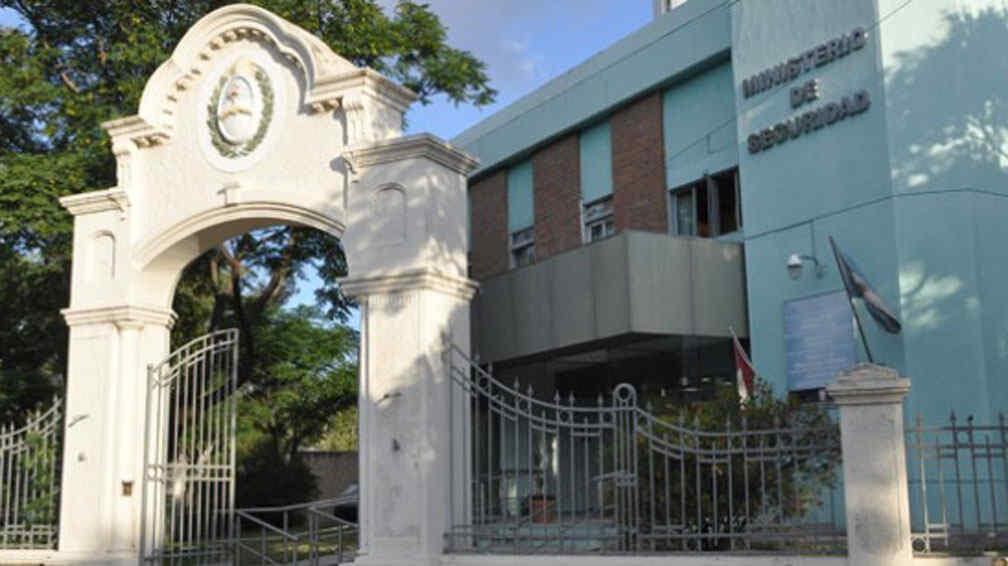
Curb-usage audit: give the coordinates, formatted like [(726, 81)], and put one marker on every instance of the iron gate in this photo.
[(189, 453), (557, 474)]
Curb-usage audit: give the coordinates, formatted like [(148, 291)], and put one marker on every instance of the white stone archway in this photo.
[(254, 122)]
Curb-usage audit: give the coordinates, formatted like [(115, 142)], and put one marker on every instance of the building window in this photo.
[(521, 217), (598, 219), (596, 182), (523, 247), (708, 207)]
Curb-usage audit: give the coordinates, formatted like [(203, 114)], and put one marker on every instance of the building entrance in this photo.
[(254, 122)]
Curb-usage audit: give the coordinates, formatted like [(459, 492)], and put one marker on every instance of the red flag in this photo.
[(744, 372)]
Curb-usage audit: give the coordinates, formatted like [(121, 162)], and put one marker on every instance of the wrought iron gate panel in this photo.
[(563, 475), (189, 454), (29, 479), (958, 479)]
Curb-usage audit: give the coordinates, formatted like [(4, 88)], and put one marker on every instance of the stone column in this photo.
[(405, 244), (405, 412), (870, 398), (104, 423)]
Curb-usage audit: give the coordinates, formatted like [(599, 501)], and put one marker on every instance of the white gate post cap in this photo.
[(868, 384)]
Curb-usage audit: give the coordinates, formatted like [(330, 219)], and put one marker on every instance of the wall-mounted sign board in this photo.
[(818, 340)]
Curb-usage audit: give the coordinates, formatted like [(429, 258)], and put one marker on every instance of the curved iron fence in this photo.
[(606, 475), (29, 480)]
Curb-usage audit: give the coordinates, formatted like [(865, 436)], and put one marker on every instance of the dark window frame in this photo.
[(707, 217)]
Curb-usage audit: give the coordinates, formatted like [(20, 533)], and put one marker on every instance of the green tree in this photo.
[(307, 372), (73, 65), (773, 461)]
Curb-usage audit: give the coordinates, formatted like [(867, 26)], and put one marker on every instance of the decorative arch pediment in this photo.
[(329, 79)]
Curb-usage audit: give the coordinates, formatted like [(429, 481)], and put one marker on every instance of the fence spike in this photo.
[(556, 397), (952, 416), (570, 399)]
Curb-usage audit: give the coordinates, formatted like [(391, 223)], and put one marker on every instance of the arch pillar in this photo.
[(406, 413), (103, 445), (113, 335), (407, 258)]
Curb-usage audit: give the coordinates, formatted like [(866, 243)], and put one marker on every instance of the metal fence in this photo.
[(305, 533), (958, 479), (29, 480), (608, 476)]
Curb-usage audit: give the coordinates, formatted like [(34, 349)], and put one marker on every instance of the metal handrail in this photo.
[(294, 550), (267, 526), (344, 500), (331, 517)]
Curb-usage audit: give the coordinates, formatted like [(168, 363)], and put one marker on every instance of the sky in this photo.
[(524, 44)]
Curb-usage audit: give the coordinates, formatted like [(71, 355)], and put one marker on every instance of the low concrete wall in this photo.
[(691, 560), (657, 560), (52, 557), (333, 471)]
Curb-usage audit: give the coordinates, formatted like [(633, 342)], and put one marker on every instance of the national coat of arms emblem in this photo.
[(240, 110)]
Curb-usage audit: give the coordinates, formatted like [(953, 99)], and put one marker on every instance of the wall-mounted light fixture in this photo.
[(796, 262)]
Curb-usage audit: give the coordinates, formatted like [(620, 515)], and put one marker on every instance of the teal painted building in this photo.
[(882, 123)]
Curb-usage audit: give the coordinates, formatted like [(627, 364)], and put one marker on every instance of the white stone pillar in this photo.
[(406, 243), (104, 424), (870, 398), (405, 412)]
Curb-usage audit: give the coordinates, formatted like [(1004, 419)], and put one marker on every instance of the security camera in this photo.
[(794, 266)]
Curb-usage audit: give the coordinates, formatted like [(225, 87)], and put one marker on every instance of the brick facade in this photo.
[(556, 174), (488, 208), (639, 198), (639, 191)]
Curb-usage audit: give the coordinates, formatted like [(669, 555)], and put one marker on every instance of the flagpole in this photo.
[(850, 300), (740, 388)]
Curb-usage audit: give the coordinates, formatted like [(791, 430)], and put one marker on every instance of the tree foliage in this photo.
[(770, 460), (73, 65), (306, 372)]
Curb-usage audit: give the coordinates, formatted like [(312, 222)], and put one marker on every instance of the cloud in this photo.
[(500, 34), (519, 63), (524, 43)]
